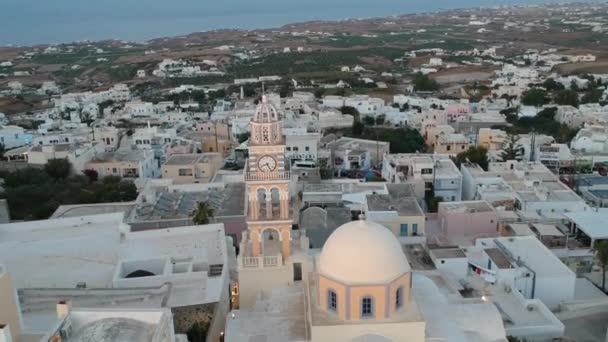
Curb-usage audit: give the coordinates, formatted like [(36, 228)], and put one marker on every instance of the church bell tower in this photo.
[(267, 177)]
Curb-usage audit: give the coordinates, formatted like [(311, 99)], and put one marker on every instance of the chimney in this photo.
[(63, 308), (5, 333)]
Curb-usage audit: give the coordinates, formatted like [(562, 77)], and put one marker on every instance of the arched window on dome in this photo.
[(367, 307), (332, 300), (399, 298)]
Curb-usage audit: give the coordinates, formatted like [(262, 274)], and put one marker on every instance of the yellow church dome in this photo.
[(362, 252)]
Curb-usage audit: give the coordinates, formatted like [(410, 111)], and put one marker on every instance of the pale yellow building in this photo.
[(491, 139), (433, 131), (216, 136), (125, 164), (451, 144), (192, 168), (403, 216)]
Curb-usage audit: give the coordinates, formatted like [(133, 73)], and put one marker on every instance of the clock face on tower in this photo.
[(267, 164)]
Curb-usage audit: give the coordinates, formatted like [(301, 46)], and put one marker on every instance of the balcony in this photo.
[(265, 176), (260, 262)]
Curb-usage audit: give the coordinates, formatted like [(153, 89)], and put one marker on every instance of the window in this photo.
[(403, 229), (185, 172), (462, 148), (426, 171), (288, 148), (399, 298), (114, 170), (307, 148), (332, 300), (415, 228), (448, 147), (367, 307), (295, 148)]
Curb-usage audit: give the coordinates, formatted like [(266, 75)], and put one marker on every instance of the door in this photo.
[(297, 271)]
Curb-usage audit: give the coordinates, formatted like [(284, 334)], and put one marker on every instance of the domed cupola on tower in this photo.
[(363, 273), (266, 125)]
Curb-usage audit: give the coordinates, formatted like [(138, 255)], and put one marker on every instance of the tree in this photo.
[(242, 137), (424, 83), (103, 105), (26, 186), (600, 248), (368, 120), (348, 110), (534, 97), (2, 151), (319, 93), (512, 150), (58, 168), (475, 154), (86, 117), (551, 85), (358, 127), (566, 98), (573, 85), (197, 332), (91, 174), (592, 96), (202, 214)]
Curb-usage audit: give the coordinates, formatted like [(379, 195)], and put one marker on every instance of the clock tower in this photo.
[(266, 247)]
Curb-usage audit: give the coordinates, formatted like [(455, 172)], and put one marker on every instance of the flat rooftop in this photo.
[(407, 206), (446, 252), (190, 159), (75, 210), (65, 252), (356, 144), (466, 206), (123, 155), (532, 252), (281, 317), (592, 180), (601, 194), (39, 306), (497, 256), (591, 222)]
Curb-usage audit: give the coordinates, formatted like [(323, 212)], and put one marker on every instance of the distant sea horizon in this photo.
[(33, 22)]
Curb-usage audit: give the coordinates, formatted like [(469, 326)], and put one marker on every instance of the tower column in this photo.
[(254, 209), (284, 205), (269, 206), (254, 237), (286, 243)]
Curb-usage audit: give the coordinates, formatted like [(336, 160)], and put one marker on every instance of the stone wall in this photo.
[(184, 317)]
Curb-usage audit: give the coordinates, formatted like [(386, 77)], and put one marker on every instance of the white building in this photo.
[(353, 154), (78, 154), (591, 139), (301, 145), (13, 136), (100, 263), (526, 265), (525, 186), (436, 172)]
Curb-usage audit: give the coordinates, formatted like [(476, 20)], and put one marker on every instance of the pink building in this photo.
[(456, 110), (462, 222)]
